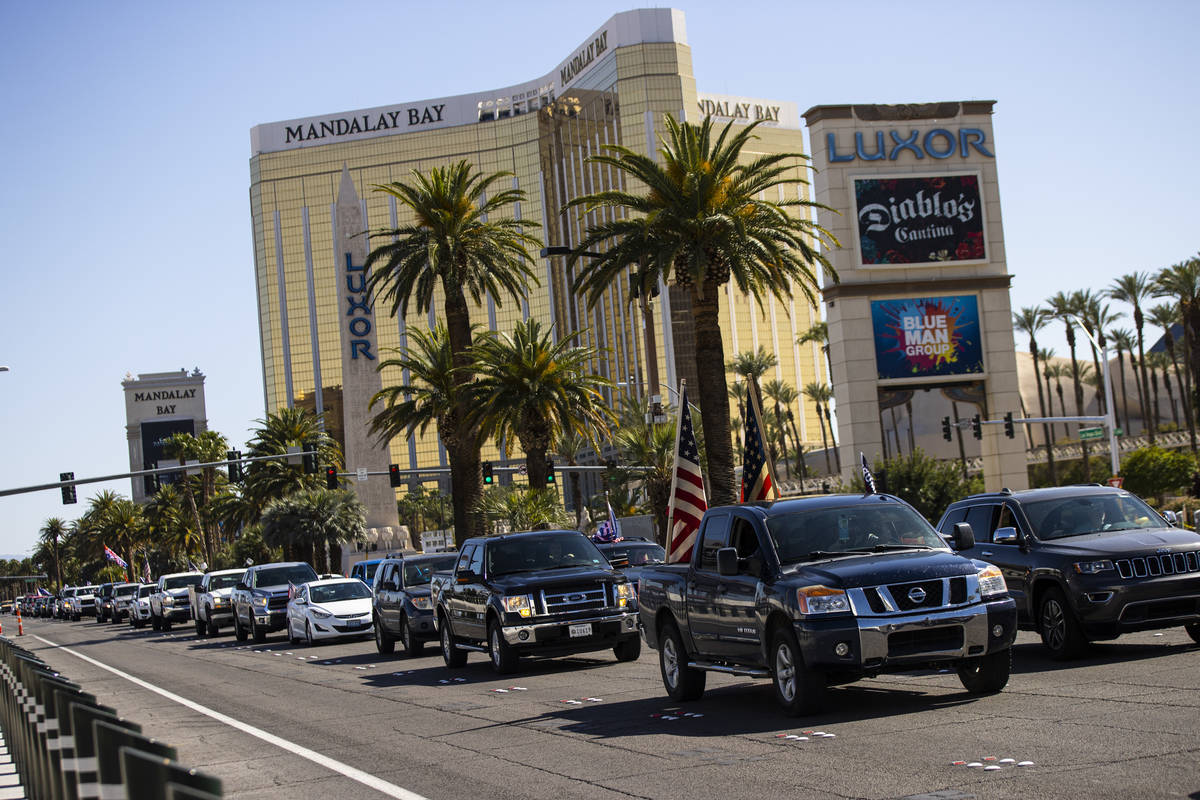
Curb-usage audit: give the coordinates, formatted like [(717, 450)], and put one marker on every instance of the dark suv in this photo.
[(403, 609), (1085, 562)]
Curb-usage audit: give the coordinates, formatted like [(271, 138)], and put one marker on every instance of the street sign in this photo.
[(1115, 481), (361, 474), (1091, 433)]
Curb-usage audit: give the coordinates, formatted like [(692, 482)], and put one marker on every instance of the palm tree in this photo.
[(1029, 321), (701, 222), (819, 333), (531, 388), (1133, 289), (51, 535), (1056, 372), (1166, 316), (752, 366), (270, 480), (651, 447), (208, 447), (1066, 307), (1046, 355), (1096, 317), (463, 241), (1182, 283), (309, 520), (1161, 362), (569, 445), (524, 509), (820, 393), (1123, 339), (783, 394)]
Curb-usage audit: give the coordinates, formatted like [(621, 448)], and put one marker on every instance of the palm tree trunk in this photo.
[(1037, 373), (1124, 392), (1154, 387), (1083, 445), (714, 400), (912, 434), (787, 468), (883, 433), (801, 466), (466, 473), (837, 457), (1184, 392), (1171, 398), (825, 442), (1049, 400), (1149, 413)]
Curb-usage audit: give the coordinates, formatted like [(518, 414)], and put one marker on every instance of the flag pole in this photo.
[(668, 534), (762, 433)]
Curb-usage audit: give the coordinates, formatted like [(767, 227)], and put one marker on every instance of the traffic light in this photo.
[(68, 492), (310, 459), (488, 477), (1008, 425), (946, 429), (977, 427), (235, 466), (549, 470), (394, 475), (331, 478)]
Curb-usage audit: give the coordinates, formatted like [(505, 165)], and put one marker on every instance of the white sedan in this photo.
[(329, 609)]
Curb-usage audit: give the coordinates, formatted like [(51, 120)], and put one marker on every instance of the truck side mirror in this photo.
[(1006, 535), (466, 576), (964, 537), (241, 586), (727, 561)]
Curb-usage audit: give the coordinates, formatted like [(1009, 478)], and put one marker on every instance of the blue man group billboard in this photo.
[(931, 219), (924, 337)]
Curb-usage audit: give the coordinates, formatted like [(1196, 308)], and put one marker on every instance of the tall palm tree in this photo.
[(1123, 339), (530, 388), (1097, 317), (1066, 307), (700, 222), (819, 333), (1047, 357), (51, 534), (752, 366), (463, 241), (288, 427), (1029, 321), (1181, 282), (1057, 372), (820, 393), (783, 394), (310, 520), (208, 447), (1133, 289), (1161, 362)]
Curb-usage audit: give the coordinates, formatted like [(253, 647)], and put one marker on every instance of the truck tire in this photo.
[(239, 632), (384, 642), (201, 628), (412, 646), (453, 657), (798, 689), (155, 621), (681, 681), (628, 650), (257, 633), (137, 623), (1061, 632), (504, 658), (213, 628), (986, 674), (1193, 630)]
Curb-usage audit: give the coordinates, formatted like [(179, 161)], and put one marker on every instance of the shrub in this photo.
[(1153, 471), (925, 483)]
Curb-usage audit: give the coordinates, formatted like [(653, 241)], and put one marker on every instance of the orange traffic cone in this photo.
[(20, 626)]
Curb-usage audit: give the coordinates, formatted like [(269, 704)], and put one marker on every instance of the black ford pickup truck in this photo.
[(825, 590), (260, 598), (545, 593)]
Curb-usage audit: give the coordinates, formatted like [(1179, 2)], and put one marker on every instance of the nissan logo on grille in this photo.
[(917, 595)]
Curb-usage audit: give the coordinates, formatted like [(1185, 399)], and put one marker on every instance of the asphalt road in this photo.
[(1123, 722)]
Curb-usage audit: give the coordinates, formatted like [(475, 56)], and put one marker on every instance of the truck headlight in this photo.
[(1093, 567), (422, 603), (625, 595), (822, 600), (259, 602), (218, 602), (168, 600), (991, 581), (521, 604)]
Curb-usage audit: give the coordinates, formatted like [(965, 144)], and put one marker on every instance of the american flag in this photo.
[(688, 502), (111, 556), (607, 531), (868, 478), (756, 468)]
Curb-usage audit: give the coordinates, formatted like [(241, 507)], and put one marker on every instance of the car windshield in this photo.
[(638, 554), (126, 591), (224, 581), (544, 551), (180, 581), (330, 592), (417, 571), (1091, 513), (281, 576), (819, 533)]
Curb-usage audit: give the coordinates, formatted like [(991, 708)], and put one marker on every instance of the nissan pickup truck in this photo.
[(538, 593), (819, 591), (169, 600), (261, 596), (210, 601)]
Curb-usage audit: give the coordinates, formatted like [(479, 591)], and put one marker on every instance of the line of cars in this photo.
[(807, 592)]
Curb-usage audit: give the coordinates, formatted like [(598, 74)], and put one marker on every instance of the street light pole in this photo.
[(1109, 415)]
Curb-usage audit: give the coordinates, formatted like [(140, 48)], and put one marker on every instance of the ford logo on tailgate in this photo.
[(917, 595)]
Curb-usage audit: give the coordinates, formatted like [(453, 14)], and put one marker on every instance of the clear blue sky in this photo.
[(125, 131)]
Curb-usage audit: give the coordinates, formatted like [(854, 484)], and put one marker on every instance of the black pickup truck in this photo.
[(545, 593), (825, 590), (260, 598)]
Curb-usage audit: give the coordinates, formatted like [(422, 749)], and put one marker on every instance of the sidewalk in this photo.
[(10, 784)]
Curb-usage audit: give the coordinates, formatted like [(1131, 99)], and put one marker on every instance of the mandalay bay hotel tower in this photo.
[(310, 176)]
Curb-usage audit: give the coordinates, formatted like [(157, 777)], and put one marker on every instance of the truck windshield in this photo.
[(180, 581), (146, 589), (282, 576), (819, 533), (224, 581), (418, 571), (1092, 513), (127, 590), (547, 551)]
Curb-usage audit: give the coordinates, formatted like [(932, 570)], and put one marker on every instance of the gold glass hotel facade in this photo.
[(615, 87)]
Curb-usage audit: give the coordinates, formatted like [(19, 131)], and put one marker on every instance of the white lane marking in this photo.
[(365, 778)]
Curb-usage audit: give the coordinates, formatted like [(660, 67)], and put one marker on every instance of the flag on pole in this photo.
[(111, 556), (609, 529), (146, 567), (688, 502), (868, 478), (44, 592), (756, 464)]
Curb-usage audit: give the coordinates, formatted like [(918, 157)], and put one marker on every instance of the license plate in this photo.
[(584, 629)]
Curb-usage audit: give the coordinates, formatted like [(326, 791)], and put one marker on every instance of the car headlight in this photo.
[(1093, 567), (422, 603), (521, 604), (260, 602), (991, 581), (168, 600), (319, 613), (822, 600), (625, 595)]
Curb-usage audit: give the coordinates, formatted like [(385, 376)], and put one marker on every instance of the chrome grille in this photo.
[(895, 598), (1159, 564), (559, 602), (278, 602)]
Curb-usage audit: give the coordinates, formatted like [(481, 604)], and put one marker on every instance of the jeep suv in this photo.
[(1085, 562)]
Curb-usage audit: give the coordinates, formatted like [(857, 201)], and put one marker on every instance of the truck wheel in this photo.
[(453, 657), (681, 681), (384, 642), (258, 633), (797, 688), (138, 623), (213, 628), (155, 622), (628, 650), (239, 632), (986, 674), (412, 645), (1061, 632), (1193, 630), (504, 658)]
